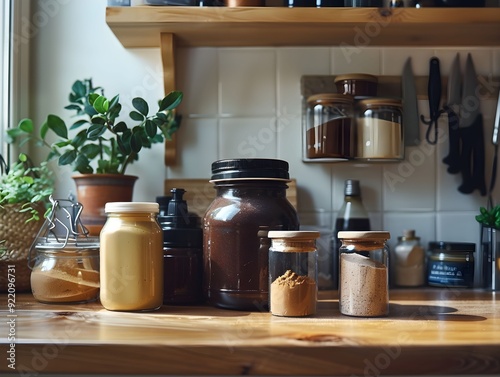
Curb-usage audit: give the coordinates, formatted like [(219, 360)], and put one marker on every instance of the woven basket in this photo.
[(16, 238)]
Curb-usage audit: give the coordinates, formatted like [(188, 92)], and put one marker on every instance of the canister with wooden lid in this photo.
[(329, 131)]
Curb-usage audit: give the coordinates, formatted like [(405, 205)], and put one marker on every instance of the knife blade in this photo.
[(494, 140), (411, 123), (471, 134), (452, 108)]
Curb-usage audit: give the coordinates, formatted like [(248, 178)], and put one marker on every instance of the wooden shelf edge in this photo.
[(267, 26)]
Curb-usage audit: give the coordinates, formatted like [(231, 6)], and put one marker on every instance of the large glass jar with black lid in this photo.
[(251, 200)]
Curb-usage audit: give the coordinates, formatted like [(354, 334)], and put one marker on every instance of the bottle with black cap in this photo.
[(182, 251), (352, 216)]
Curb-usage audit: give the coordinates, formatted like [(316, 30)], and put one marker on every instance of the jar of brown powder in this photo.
[(251, 201), (364, 277), (293, 273)]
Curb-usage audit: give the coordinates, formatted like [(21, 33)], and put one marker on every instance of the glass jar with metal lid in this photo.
[(379, 123), (65, 267), (329, 129), (364, 274), (293, 273), (451, 264)]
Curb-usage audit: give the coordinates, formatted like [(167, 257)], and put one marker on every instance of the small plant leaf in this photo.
[(26, 125), (136, 143), (67, 157), (78, 124), (136, 116), (141, 105), (79, 139), (57, 125), (120, 127), (151, 128), (101, 104), (95, 131), (90, 150), (43, 130), (171, 101)]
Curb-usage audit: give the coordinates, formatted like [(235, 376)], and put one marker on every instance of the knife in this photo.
[(452, 108), (471, 135), (411, 130), (494, 140)]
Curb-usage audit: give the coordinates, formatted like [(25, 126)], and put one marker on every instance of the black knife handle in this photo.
[(472, 158), (434, 89), (453, 158)]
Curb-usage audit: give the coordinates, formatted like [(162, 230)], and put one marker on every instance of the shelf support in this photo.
[(167, 48)]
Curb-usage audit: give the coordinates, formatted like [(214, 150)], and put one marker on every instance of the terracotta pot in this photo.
[(93, 191)]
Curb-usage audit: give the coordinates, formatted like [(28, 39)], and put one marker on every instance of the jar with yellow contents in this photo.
[(131, 257)]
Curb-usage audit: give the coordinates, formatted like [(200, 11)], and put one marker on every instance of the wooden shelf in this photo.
[(220, 26), (352, 28), (430, 331)]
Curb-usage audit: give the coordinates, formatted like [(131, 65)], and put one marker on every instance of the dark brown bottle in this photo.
[(251, 200), (182, 251), (352, 216)]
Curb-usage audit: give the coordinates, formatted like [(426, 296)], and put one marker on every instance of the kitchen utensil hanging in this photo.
[(494, 140), (434, 95), (410, 106)]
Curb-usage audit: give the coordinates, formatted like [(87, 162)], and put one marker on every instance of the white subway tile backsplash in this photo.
[(247, 81), (247, 138), (198, 79), (292, 64), (353, 59), (246, 102)]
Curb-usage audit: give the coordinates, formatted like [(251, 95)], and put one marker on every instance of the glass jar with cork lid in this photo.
[(364, 276), (293, 273)]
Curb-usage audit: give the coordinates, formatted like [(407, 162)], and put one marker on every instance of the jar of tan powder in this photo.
[(293, 273), (364, 276), (65, 271), (131, 257)]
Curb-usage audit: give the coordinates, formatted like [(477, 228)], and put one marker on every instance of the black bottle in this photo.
[(182, 251), (352, 216)]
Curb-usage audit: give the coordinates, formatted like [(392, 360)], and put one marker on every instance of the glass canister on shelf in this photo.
[(293, 273), (408, 261), (251, 200), (364, 275), (329, 127), (379, 123), (131, 257), (64, 260)]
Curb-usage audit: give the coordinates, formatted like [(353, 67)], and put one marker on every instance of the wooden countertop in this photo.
[(428, 331)]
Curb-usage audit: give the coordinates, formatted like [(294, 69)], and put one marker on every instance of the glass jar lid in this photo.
[(132, 207), (369, 103), (295, 234), (440, 246), (356, 76), (57, 244), (330, 98), (364, 235), (250, 168)]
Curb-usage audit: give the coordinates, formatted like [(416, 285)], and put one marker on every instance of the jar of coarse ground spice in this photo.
[(250, 201), (293, 273), (364, 274)]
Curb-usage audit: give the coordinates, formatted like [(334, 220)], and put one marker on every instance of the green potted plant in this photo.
[(101, 145), (24, 194)]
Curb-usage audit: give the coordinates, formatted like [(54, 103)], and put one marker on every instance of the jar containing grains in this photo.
[(364, 277), (293, 273)]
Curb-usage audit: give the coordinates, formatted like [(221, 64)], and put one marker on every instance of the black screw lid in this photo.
[(181, 229), (250, 168), (452, 246), (351, 188)]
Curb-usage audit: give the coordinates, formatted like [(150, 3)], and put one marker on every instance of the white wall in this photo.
[(236, 95)]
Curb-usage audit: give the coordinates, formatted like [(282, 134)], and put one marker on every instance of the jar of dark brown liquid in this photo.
[(330, 124), (251, 200)]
